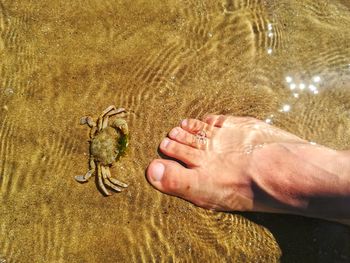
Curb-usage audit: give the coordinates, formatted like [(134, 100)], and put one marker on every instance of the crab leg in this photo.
[(85, 178), (100, 182), (115, 111), (105, 122), (87, 120), (92, 163), (111, 110), (121, 125), (92, 132), (104, 174), (113, 180), (106, 111)]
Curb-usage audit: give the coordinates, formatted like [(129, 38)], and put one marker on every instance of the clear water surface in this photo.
[(283, 61)]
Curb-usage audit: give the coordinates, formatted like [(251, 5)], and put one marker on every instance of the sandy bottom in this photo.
[(286, 62)]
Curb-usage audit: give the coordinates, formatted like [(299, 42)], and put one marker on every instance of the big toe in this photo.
[(172, 178)]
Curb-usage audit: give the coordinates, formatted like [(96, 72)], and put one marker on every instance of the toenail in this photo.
[(158, 171), (165, 143), (174, 132), (184, 123)]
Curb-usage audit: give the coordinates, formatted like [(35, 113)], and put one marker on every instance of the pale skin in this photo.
[(244, 164)]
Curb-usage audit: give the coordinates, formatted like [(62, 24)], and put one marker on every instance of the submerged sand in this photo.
[(285, 61)]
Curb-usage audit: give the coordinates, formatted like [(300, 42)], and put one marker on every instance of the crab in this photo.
[(107, 143)]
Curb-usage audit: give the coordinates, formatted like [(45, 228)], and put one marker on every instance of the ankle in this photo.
[(277, 180), (302, 179)]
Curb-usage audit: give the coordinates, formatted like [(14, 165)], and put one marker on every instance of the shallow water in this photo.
[(286, 62)]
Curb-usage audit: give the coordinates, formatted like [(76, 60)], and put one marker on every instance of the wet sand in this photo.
[(286, 62)]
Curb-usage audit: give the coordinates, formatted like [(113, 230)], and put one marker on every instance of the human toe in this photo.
[(185, 153), (215, 120), (182, 136), (228, 121), (172, 178), (195, 126)]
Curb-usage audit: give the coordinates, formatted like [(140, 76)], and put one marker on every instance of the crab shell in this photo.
[(108, 145)]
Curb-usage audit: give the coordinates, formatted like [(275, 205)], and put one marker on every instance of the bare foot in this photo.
[(243, 164)]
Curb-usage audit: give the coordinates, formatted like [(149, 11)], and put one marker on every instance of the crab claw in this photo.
[(87, 120), (80, 178), (84, 178)]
